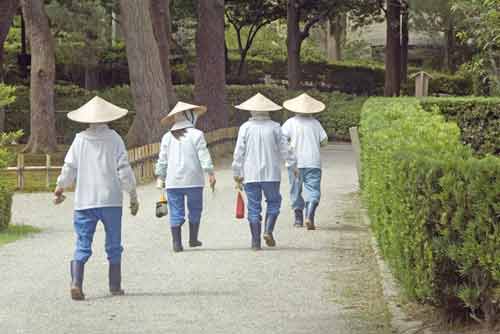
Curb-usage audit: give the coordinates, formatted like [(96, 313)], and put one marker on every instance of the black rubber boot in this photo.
[(255, 229), (299, 218), (268, 234), (77, 269), (193, 235), (177, 239), (115, 279), (311, 211)]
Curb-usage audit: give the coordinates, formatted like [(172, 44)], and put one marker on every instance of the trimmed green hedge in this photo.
[(478, 118), (434, 207), (343, 110), (5, 206)]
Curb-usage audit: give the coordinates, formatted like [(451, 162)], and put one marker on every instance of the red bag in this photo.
[(240, 206)]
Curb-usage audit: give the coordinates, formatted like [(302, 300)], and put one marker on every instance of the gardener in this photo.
[(183, 158), (260, 149), (306, 135), (97, 160)]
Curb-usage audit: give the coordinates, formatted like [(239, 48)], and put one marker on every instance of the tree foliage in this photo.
[(248, 18)]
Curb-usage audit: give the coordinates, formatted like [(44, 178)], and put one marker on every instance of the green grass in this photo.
[(16, 232)]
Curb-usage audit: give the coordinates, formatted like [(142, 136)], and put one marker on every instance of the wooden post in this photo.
[(356, 146), (48, 165), (422, 83), (20, 171)]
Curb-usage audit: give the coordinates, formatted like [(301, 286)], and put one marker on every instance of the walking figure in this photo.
[(183, 159), (306, 135), (98, 162), (260, 150)]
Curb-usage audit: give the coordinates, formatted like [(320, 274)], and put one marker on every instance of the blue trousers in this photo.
[(272, 194), (177, 204), (85, 222), (310, 180)]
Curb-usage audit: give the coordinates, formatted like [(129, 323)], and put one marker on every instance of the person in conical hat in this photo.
[(182, 162), (97, 162), (306, 135), (260, 150)]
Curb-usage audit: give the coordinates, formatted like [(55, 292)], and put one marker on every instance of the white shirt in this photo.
[(97, 160), (260, 150), (305, 134), (182, 161)]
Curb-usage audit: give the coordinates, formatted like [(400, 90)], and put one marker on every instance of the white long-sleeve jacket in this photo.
[(260, 151), (97, 160), (182, 161)]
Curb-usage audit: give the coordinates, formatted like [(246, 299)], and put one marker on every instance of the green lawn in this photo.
[(16, 232)]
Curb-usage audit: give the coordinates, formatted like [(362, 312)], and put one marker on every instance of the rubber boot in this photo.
[(299, 218), (115, 279), (77, 269), (255, 229), (193, 235), (311, 211), (177, 239), (268, 234)]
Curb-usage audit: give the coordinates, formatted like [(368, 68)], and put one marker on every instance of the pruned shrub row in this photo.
[(434, 206)]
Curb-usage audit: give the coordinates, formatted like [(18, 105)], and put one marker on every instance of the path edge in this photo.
[(400, 321)]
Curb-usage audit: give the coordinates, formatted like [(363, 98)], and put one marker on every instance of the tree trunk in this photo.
[(43, 122), (393, 49), (336, 34), (404, 43), (449, 45), (147, 81), (210, 77), (8, 9), (160, 15), (294, 41)]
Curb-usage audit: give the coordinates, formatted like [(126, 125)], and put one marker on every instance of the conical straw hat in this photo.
[(259, 103), (180, 107), (304, 104), (97, 110)]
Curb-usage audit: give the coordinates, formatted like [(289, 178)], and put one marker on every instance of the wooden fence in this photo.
[(142, 159)]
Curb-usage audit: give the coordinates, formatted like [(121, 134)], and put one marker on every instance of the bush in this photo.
[(343, 110), (434, 207), (478, 118), (6, 97)]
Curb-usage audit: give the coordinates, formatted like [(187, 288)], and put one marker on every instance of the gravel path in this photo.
[(221, 288)]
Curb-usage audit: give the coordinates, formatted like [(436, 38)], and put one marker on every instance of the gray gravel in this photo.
[(221, 288)]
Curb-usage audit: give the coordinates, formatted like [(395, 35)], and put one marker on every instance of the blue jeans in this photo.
[(85, 222), (272, 194), (310, 180), (177, 205)]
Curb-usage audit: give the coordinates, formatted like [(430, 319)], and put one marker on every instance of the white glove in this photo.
[(134, 203), (160, 183)]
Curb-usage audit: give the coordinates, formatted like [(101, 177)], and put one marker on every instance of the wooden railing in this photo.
[(142, 159)]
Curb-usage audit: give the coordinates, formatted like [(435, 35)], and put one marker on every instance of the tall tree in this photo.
[(146, 76), (435, 17), (8, 9), (160, 15), (405, 39), (43, 125), (311, 13), (336, 35), (393, 48), (82, 39), (303, 15), (210, 77), (248, 18)]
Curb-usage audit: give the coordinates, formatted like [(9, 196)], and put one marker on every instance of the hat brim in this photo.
[(315, 108), (83, 116), (169, 120)]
